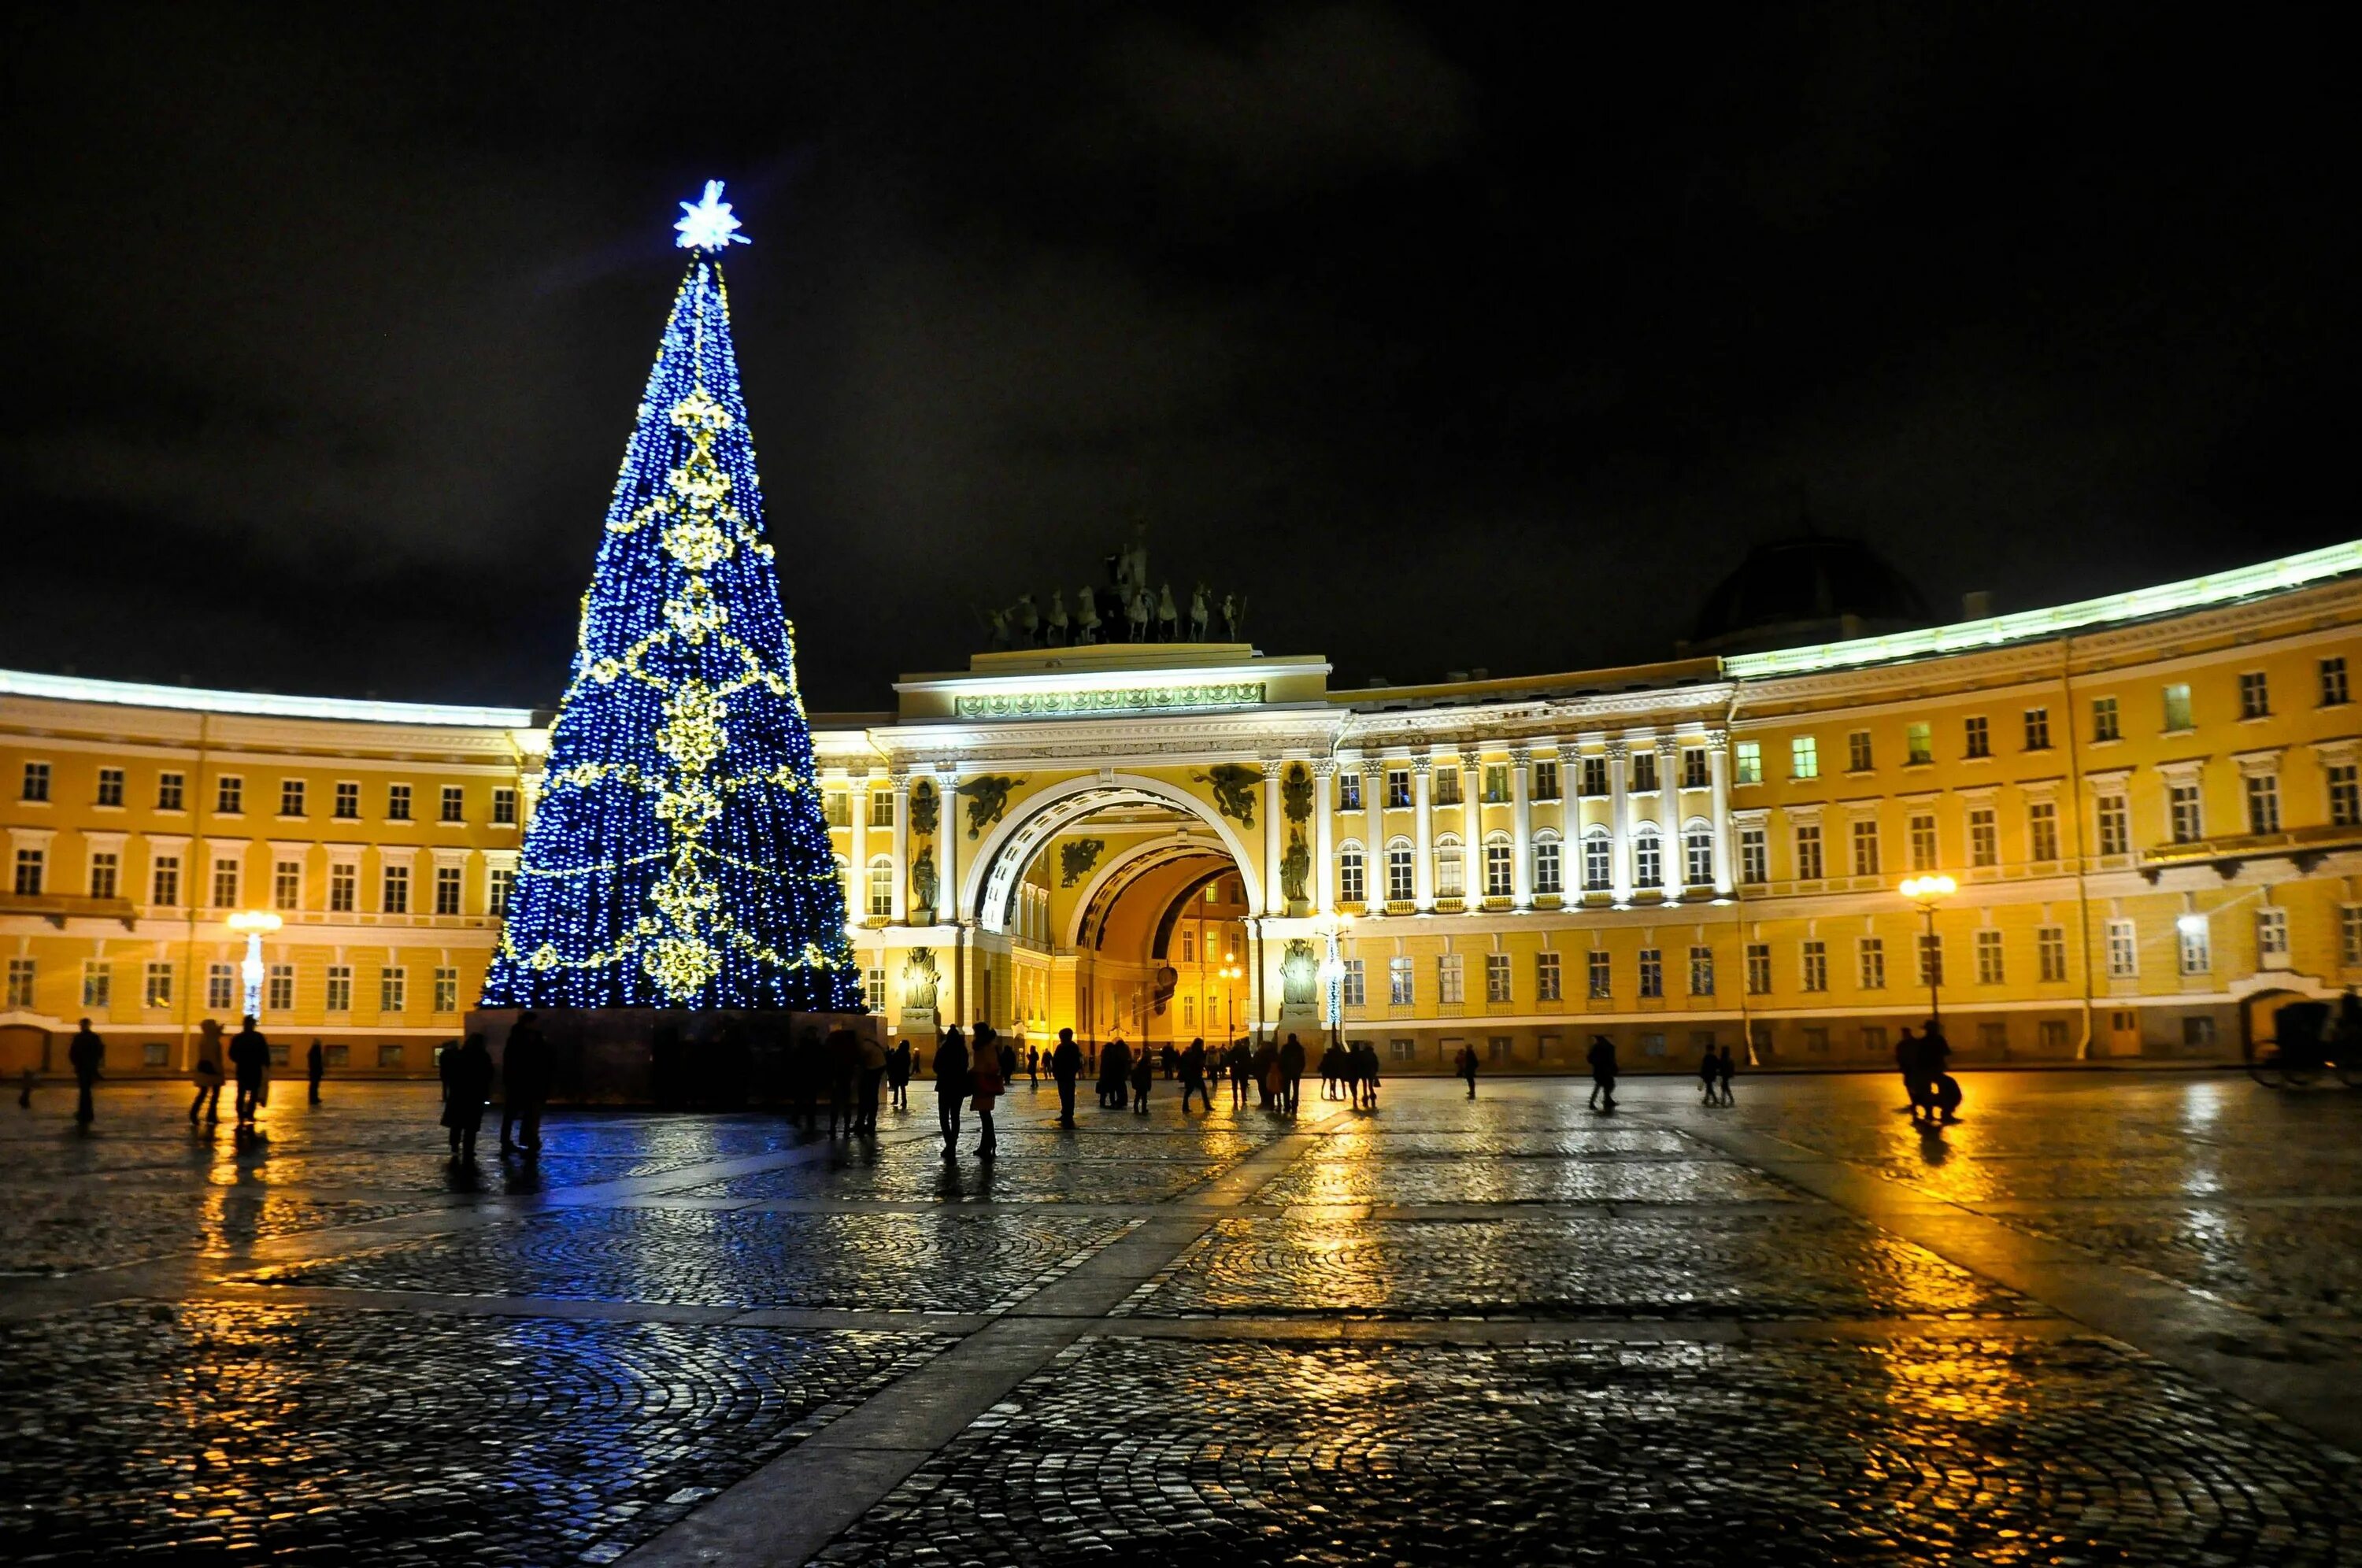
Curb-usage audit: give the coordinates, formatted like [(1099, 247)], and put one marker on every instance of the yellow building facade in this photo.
[(2147, 807)]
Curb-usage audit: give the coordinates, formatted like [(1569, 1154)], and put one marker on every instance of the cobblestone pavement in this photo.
[(1791, 1330)]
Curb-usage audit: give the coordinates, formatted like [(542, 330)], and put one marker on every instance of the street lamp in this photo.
[(1230, 973), (253, 923), (1927, 892)]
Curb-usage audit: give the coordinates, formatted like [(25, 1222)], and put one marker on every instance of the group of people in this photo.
[(858, 1071), (977, 1077), (1924, 1060), (1716, 1069), (246, 1057), (524, 1070), (1351, 1072)]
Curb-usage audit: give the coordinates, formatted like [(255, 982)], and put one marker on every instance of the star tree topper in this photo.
[(708, 224)]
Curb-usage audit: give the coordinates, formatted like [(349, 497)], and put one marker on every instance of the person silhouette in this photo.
[(1602, 1057), (86, 1055)]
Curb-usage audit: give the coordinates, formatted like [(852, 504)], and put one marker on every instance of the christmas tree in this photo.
[(678, 855)]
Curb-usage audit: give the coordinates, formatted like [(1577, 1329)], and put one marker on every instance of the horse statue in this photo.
[(1168, 616), (1055, 627), (1086, 618), (1198, 614), (1135, 615)]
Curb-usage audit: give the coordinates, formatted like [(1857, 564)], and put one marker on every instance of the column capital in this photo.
[(1668, 746), (1422, 765), (1324, 768), (1717, 740), (1271, 769), (900, 778), (1471, 758), (1373, 767), (1521, 756), (1619, 750)]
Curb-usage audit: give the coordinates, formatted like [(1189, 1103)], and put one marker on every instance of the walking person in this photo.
[(1709, 1065), (898, 1075), (1725, 1067), (1007, 1057), (525, 1087), (1115, 1075), (1291, 1074), (1333, 1069), (1143, 1077), (466, 1081), (86, 1055), (1033, 1066), (1365, 1057), (1940, 1088), (1468, 1067), (1066, 1067), (873, 1075), (951, 1087), (250, 1058), (1602, 1057), (1910, 1062), (209, 1073), (843, 1050), (986, 1081), (315, 1068), (1193, 1076), (25, 1082), (1237, 1063)]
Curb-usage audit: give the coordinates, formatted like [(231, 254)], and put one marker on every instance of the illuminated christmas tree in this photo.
[(678, 855)]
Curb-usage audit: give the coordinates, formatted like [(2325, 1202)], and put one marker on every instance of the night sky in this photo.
[(1451, 339)]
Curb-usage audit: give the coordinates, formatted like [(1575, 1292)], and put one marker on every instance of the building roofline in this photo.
[(259, 704)]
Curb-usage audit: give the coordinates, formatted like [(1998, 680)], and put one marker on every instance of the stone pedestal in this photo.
[(669, 1058)]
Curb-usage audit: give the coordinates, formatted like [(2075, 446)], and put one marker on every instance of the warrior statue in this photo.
[(1168, 616), (1198, 614), (1235, 615)]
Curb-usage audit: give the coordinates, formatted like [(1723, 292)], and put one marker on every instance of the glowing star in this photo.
[(707, 224)]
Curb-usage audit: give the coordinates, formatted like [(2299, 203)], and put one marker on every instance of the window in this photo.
[(1816, 1039), (98, 985), (1754, 856), (229, 795), (392, 989), (2105, 725), (1595, 776), (168, 787), (1808, 852), (2344, 795), (286, 884), (1545, 780), (1976, 736), (498, 885), (226, 870), (1697, 855), (881, 888), (2050, 952), (340, 988), (2254, 695), (110, 786), (1496, 977), (2349, 935), (1446, 786), (37, 781), (1546, 978), (2271, 938), (1500, 867), (455, 803), (1858, 752), (1759, 969), (348, 802), (1652, 972), (2183, 810), (221, 988), (165, 880), (1870, 962), (2333, 682), (2177, 707), (105, 868), (1497, 783), (1450, 977), (1816, 970), (344, 885), (1349, 791), (157, 989), (2197, 944), (1865, 847), (1918, 745), (396, 890), (2263, 802), (1547, 871), (2042, 829), (279, 989), (1747, 756), (446, 990), (1804, 757), (1602, 979), (446, 889), (2123, 951), (2115, 825), (1701, 971), (29, 872), (1397, 788), (1989, 957), (389, 1054), (2051, 1034), (836, 808), (2038, 729), (1931, 960), (1694, 775), (1873, 1040), (504, 802), (20, 983), (879, 804), (1357, 984), (1398, 981), (1400, 881), (1922, 826), (1985, 837), (1644, 772), (1448, 871), (291, 797), (1349, 874), (1648, 860), (397, 803), (1401, 1049)]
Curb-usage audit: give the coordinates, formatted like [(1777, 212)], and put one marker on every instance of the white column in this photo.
[(1619, 820), (1669, 808), (900, 912), (1718, 763), (1373, 853), (1521, 825), (1275, 896), (947, 910), (1472, 829), (1324, 837), (1422, 838), (856, 809)]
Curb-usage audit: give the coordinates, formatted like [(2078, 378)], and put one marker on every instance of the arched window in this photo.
[(1547, 871), (1697, 854), (1351, 869), (1648, 857), (1500, 866), (1400, 882), (1598, 873), (1449, 880), (881, 887)]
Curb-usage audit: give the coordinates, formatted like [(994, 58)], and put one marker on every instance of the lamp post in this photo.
[(1230, 973), (1927, 892), (253, 923), (1333, 927)]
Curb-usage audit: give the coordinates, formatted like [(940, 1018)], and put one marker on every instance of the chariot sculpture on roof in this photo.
[(1129, 606)]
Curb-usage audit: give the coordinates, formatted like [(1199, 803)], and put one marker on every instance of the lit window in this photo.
[(1804, 757), (2197, 944), (1870, 962), (2124, 950), (1919, 744), (2042, 830), (1496, 977), (1601, 975), (1652, 972), (1546, 977), (2177, 707), (2038, 729), (1448, 882), (2254, 695), (1808, 852), (1989, 968), (1701, 971), (1748, 761), (1977, 737), (1349, 791), (1449, 978), (1814, 973), (1398, 981), (1397, 788)]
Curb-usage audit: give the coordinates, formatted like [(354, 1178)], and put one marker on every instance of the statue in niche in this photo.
[(1299, 975), (1234, 786), (923, 884), (920, 980), (923, 807), (1076, 858), (1086, 618), (1168, 616), (1294, 867), (987, 798), (1296, 793), (1056, 628), (1199, 614)]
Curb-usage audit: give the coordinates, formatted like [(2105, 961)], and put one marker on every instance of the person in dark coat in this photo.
[(1332, 1069), (1115, 1075), (872, 1075), (466, 1081), (898, 1075), (1266, 1075), (1008, 1051), (1910, 1061), (842, 1049), (1725, 1067), (1066, 1067), (315, 1068), (1941, 1089), (1143, 1077), (1602, 1057), (1193, 1076), (1239, 1062), (250, 1058), (951, 1087), (985, 1082), (86, 1055), (1707, 1063), (525, 1086), (209, 1071), (1468, 1067), (1291, 1075), (1365, 1063)]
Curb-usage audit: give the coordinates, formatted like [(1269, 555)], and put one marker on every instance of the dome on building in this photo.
[(1811, 589)]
